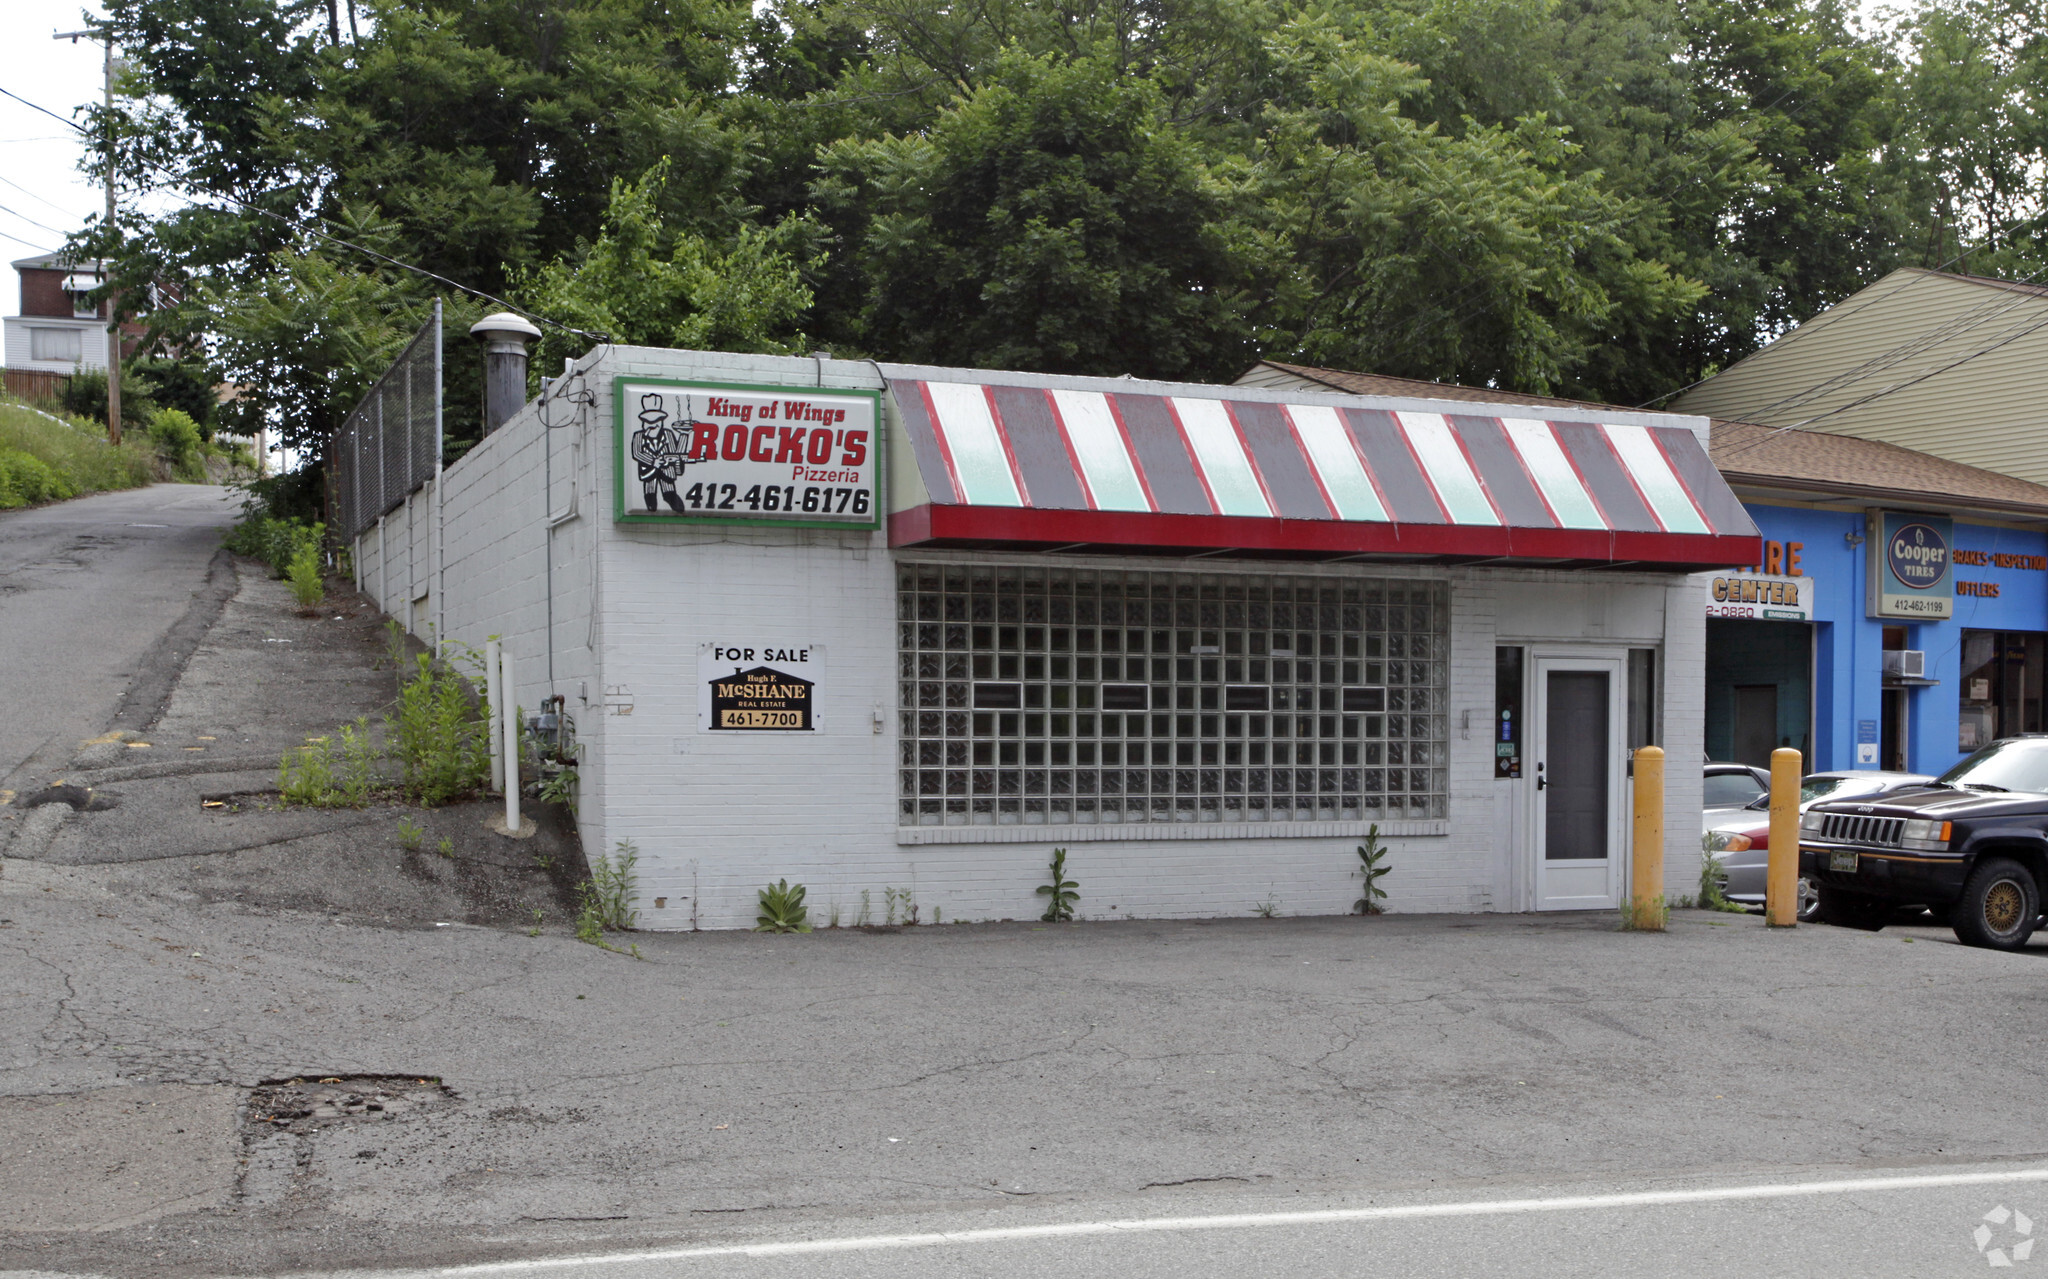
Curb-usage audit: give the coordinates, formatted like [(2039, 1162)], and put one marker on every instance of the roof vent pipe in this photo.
[(505, 337)]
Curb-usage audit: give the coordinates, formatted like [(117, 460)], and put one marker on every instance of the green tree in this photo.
[(646, 283), (1400, 247), (1048, 220)]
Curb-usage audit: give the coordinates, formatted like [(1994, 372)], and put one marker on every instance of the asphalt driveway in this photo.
[(534, 1094)]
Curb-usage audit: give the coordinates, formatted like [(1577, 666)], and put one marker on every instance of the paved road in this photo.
[(87, 589), (1908, 1223)]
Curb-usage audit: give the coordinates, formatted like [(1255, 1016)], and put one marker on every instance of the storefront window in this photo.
[(2001, 686), (1063, 696)]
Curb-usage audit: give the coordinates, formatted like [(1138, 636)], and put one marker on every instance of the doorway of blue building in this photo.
[(1759, 689)]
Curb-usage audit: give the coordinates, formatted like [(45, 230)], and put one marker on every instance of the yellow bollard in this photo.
[(1781, 879), (1647, 889)]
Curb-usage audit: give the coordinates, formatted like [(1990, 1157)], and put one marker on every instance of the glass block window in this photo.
[(1058, 696)]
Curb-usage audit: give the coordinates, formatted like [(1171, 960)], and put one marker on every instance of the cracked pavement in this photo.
[(537, 1096)]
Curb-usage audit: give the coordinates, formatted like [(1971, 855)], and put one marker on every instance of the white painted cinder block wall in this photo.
[(715, 816)]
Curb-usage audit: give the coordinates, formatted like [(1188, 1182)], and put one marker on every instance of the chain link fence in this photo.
[(390, 443)]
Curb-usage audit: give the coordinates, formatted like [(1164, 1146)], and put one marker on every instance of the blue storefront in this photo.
[(1907, 654)]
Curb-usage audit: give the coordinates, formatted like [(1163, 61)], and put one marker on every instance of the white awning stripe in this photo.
[(1553, 472), (1220, 454), (1099, 447), (1667, 497), (1335, 456), (1436, 444), (968, 427)]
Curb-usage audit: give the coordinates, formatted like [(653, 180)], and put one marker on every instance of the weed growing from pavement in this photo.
[(867, 914), (539, 918), (410, 835), (832, 915), (901, 906), (1713, 878), (357, 764), (1371, 865), (446, 848), (614, 883), (441, 742), (305, 775), (1649, 918), (1061, 893), (607, 899), (1267, 909), (782, 909), (303, 574), (558, 787)]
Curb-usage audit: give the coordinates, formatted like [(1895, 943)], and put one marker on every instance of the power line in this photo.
[(72, 124), (2005, 341), (32, 222), (18, 240), (33, 196), (180, 181), (1982, 313)]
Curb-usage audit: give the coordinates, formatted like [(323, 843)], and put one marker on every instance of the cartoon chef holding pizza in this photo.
[(659, 453)]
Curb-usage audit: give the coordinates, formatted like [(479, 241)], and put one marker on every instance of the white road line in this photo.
[(1261, 1220)]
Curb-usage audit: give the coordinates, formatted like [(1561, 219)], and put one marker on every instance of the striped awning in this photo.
[(1072, 462)]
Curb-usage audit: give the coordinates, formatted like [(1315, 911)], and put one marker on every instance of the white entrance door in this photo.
[(1580, 789)]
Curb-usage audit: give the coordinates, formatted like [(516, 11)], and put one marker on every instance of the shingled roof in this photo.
[(1751, 456)]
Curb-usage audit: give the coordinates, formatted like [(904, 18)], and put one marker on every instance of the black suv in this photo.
[(1972, 847)]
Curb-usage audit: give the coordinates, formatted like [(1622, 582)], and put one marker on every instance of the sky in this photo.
[(43, 196)]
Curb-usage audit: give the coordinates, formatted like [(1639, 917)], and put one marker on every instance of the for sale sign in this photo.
[(703, 451), (759, 687)]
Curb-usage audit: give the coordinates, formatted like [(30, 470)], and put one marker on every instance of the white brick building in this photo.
[(1202, 637)]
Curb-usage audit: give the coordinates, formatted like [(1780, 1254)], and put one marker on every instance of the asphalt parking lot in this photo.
[(541, 1094)]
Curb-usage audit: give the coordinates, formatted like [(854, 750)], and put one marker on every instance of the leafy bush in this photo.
[(77, 452), (303, 574), (178, 442), (783, 909), (292, 495), (26, 479), (442, 744), (184, 385), (85, 396), (276, 542)]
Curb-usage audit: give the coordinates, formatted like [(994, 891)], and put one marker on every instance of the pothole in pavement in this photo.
[(308, 1104), (237, 801), (81, 798)]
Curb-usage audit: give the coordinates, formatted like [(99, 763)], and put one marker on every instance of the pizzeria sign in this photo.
[(715, 452)]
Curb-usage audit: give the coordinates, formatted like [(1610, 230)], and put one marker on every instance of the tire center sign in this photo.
[(1910, 566)]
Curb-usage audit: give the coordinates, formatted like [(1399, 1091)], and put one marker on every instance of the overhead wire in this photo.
[(179, 181), (32, 222), (1982, 313), (32, 195), (18, 240)]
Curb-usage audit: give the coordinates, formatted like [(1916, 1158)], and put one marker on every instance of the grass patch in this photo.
[(45, 459), (1647, 918)]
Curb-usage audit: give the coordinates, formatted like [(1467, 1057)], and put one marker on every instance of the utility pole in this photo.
[(113, 308)]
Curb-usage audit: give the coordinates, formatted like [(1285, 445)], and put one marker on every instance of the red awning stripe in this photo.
[(1143, 455)]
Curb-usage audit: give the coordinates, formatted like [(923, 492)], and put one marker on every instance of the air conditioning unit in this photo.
[(1905, 663)]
